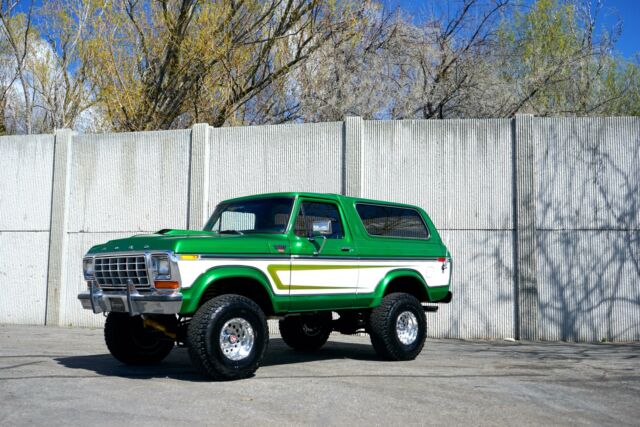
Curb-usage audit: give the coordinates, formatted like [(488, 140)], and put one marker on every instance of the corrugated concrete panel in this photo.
[(482, 285), (353, 156), (23, 277), (129, 181), (460, 171), (26, 170), (261, 159), (199, 176), (585, 177), (526, 279), (589, 285), (587, 173), (71, 312)]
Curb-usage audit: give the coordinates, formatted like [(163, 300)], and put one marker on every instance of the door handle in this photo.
[(346, 249)]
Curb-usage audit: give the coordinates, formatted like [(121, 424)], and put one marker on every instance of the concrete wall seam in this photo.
[(58, 229), (542, 215)]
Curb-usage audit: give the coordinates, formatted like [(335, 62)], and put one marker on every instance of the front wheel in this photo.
[(228, 337), (307, 332), (132, 343), (398, 327)]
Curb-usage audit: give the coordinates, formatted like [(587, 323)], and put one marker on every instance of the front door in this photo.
[(324, 266)]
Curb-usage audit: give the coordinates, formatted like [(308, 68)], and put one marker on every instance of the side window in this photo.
[(390, 221), (316, 211)]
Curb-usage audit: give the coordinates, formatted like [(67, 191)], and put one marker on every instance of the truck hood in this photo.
[(196, 242)]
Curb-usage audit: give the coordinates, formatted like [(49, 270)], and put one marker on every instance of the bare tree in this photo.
[(17, 30), (162, 64), (59, 78), (350, 73)]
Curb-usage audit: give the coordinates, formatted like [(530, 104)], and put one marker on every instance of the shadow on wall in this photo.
[(587, 233), (482, 286)]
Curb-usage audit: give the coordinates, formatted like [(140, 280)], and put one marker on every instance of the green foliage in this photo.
[(556, 64), (159, 64)]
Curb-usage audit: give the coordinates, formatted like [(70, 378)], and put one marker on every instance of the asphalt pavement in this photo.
[(58, 376)]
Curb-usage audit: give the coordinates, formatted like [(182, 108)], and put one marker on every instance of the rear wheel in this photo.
[(132, 343), (306, 332), (398, 327), (228, 337)]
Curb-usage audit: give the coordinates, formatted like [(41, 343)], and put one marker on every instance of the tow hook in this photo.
[(149, 323)]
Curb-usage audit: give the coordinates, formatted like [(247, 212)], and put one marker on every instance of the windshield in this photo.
[(269, 215)]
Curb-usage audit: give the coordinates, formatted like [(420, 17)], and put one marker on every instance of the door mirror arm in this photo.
[(312, 238)]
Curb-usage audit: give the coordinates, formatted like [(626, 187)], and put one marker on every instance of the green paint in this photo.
[(191, 296), (254, 246)]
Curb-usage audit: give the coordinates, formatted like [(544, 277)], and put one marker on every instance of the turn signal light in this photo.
[(442, 259), (166, 284)]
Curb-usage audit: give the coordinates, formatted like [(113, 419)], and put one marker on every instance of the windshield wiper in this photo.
[(231, 232)]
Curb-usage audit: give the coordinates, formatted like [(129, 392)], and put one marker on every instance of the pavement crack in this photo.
[(20, 365)]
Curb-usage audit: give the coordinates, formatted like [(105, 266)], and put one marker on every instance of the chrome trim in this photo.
[(131, 289), (236, 339), (407, 327), (93, 260), (173, 261), (134, 299), (92, 292), (117, 271), (131, 302)]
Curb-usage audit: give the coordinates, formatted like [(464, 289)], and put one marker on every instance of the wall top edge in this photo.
[(411, 121), (277, 126), (49, 137), (138, 133), (376, 122)]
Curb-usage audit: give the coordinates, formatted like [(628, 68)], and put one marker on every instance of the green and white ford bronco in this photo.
[(317, 262)]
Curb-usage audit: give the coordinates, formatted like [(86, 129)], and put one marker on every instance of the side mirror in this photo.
[(321, 227)]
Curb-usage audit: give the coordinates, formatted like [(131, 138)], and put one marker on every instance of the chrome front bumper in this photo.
[(130, 301)]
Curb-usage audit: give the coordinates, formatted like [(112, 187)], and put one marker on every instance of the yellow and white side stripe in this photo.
[(313, 276)]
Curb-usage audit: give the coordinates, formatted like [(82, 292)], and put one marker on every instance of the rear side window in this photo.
[(390, 221)]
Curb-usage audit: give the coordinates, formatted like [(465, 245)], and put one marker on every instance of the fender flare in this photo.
[(396, 274), (193, 294)]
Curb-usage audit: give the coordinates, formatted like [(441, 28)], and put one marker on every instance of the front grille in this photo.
[(116, 271)]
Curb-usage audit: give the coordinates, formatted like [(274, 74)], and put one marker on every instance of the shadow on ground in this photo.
[(178, 366)]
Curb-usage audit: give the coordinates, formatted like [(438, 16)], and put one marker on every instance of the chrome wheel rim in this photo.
[(236, 339), (407, 327), (311, 329)]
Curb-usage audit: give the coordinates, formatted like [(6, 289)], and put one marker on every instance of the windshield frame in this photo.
[(218, 211)]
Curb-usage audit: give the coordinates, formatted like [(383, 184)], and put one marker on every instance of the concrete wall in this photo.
[(541, 215), (305, 157), (588, 228), (26, 170), (461, 173), (119, 185)]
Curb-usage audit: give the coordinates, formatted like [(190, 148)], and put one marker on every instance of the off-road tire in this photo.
[(383, 331), (306, 332), (203, 337), (131, 343)]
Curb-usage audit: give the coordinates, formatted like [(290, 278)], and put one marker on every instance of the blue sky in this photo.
[(628, 10)]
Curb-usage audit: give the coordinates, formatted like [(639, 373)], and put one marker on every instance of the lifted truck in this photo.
[(317, 262)]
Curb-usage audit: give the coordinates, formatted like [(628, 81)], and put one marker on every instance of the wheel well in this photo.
[(244, 286), (408, 285)]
